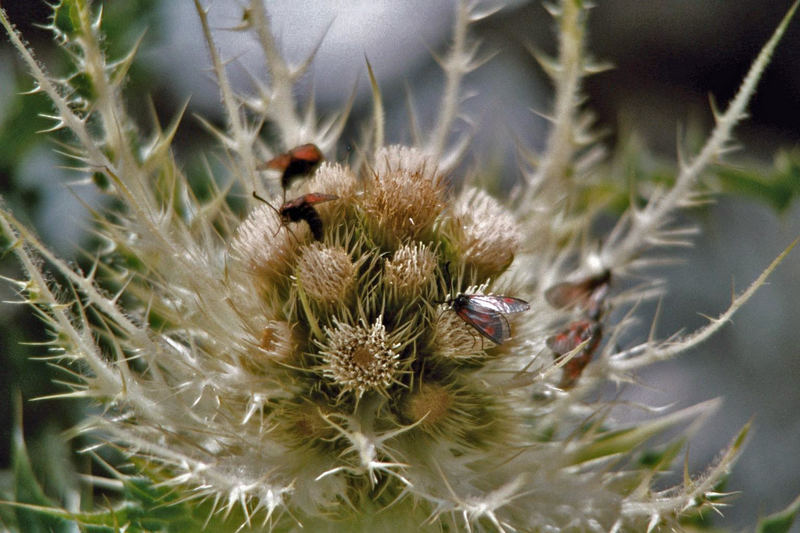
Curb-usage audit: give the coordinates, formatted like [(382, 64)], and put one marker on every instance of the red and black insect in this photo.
[(485, 313), (576, 333), (299, 161), (589, 293), (302, 208)]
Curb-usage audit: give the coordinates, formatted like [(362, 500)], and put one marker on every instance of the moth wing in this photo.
[(562, 342), (497, 304), (279, 162), (567, 294), (571, 337), (307, 152), (513, 305), (571, 293), (491, 325), (318, 197)]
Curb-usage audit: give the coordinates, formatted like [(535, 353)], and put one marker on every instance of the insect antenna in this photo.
[(281, 222)]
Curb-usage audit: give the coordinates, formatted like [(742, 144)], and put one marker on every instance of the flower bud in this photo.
[(405, 194), (325, 273), (410, 268)]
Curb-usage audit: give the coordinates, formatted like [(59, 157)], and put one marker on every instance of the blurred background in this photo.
[(669, 56)]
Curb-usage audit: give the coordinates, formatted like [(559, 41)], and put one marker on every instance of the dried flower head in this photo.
[(487, 232), (405, 194), (466, 409), (430, 404)]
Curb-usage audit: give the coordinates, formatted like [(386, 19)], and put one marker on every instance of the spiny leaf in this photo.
[(780, 522), (777, 187), (27, 490), (65, 18), (377, 106), (625, 440)]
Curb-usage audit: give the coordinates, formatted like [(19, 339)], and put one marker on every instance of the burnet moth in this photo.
[(589, 293), (576, 333), (299, 161), (302, 208), (485, 313)]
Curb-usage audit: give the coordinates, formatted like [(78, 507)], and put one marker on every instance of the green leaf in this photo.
[(622, 441), (781, 521), (41, 514), (778, 186), (66, 18)]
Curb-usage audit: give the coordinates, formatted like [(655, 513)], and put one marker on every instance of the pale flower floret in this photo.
[(264, 246), (360, 358), (488, 232), (410, 267), (333, 178), (325, 273), (405, 194), (400, 158)]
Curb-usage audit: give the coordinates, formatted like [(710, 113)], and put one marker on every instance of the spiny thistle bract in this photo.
[(272, 380)]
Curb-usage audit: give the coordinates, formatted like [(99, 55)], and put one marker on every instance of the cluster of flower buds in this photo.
[(364, 299)]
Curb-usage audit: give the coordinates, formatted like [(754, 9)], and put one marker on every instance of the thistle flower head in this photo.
[(390, 357), (264, 246)]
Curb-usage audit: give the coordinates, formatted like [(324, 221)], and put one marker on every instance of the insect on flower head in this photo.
[(575, 334), (589, 293), (485, 313), (302, 208), (297, 162)]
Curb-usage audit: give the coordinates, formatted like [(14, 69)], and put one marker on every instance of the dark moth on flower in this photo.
[(485, 313), (302, 208), (297, 162), (589, 293)]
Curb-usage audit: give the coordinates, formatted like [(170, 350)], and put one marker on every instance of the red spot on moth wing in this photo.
[(491, 325), (567, 340), (570, 338), (561, 343)]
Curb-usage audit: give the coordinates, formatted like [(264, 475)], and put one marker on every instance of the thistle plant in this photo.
[(258, 375)]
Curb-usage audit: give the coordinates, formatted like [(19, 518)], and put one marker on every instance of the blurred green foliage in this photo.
[(21, 333)]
